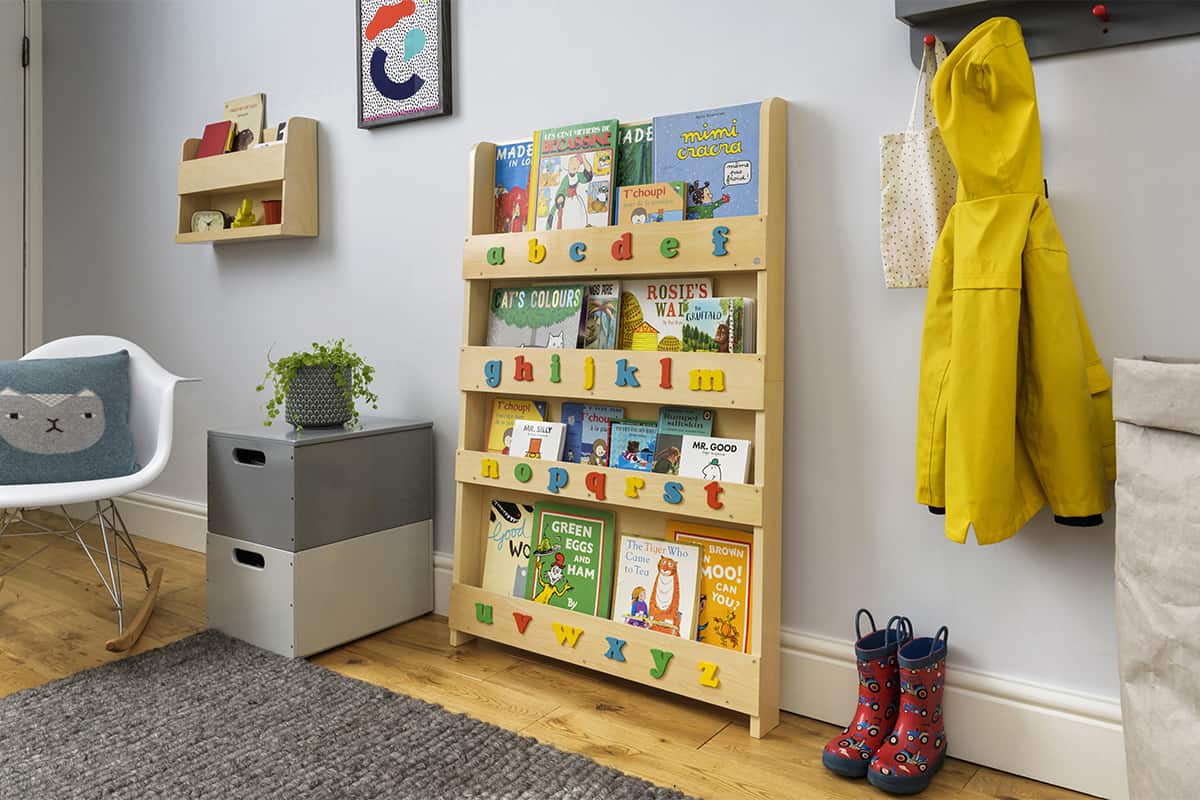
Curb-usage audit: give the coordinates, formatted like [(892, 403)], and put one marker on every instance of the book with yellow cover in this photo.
[(726, 564), (249, 114), (506, 411)]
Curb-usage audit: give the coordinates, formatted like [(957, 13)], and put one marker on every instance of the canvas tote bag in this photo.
[(1157, 405), (918, 182)]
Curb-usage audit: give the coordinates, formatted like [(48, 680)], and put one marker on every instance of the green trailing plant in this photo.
[(334, 356)]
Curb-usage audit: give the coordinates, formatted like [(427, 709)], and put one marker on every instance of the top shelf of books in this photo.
[(679, 194)]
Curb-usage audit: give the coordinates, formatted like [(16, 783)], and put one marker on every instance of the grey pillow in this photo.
[(65, 419)]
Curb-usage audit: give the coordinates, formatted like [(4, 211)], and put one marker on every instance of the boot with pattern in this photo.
[(850, 752), (916, 749)]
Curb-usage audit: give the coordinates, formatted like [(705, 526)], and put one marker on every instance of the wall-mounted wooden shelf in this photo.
[(749, 405), (286, 171)]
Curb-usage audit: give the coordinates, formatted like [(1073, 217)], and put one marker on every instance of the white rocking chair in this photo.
[(151, 417)]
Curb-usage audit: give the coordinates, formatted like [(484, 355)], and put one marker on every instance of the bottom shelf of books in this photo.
[(695, 669)]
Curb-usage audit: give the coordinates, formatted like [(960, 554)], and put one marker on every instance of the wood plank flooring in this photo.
[(54, 620)]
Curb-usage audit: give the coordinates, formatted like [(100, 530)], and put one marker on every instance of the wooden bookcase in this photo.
[(748, 406), (286, 172)]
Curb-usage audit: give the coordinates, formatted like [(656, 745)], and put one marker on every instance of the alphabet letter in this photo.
[(669, 247), (714, 492), (490, 468), (622, 248), (664, 380), (577, 251), (522, 621), (537, 252), (495, 256), (555, 369), (673, 492), (614, 648), (594, 481), (566, 634), (706, 380), (632, 484), (522, 369), (661, 659), (558, 479), (524, 473), (589, 372), (708, 675), (491, 373), (626, 375), (483, 613), (719, 238)]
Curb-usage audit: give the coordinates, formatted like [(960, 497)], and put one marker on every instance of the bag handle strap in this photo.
[(931, 59)]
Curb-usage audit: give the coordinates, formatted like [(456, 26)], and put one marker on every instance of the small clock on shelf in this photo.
[(204, 221)]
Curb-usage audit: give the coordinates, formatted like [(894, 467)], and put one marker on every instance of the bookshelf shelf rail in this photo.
[(748, 387)]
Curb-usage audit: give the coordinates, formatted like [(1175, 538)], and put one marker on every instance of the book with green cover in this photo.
[(673, 424), (572, 560), (635, 153)]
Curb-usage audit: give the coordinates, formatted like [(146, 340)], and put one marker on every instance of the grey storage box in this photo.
[(321, 536)]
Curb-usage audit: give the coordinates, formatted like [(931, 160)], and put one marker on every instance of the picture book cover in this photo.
[(513, 160), (572, 170), (652, 311), (536, 316), (714, 152), (632, 444), (719, 325), (506, 556), (602, 322), (726, 577), (536, 438), (571, 563), (650, 202), (216, 139), (249, 114), (657, 585), (635, 153), (571, 415), (506, 411), (713, 459), (597, 421), (673, 424)]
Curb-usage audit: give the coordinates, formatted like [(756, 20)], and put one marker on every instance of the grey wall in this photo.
[(127, 81)]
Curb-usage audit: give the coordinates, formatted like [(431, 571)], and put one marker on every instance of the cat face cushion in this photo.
[(65, 419)]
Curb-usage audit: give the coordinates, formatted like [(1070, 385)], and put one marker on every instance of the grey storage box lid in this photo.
[(294, 490)]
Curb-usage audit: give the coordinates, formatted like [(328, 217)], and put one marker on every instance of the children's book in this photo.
[(726, 578), (719, 325), (715, 152), (216, 139), (249, 114), (513, 160), (714, 459), (673, 424), (603, 316), (571, 174), (635, 153), (536, 316), (586, 439), (506, 411), (535, 438), (507, 551), (652, 311), (650, 202), (632, 445), (571, 563), (657, 585)]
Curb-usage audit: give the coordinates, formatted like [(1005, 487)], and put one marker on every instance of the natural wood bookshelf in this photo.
[(286, 171), (749, 405)]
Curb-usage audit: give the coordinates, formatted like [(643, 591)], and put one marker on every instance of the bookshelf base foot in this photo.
[(459, 638), (762, 725)]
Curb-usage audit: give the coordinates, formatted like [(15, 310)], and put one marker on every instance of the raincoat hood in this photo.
[(986, 107)]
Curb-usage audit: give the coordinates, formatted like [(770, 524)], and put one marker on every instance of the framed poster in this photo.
[(403, 61)]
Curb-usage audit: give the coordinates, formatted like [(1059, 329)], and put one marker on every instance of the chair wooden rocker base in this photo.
[(114, 535)]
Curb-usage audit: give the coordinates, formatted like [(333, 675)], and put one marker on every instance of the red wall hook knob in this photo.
[(1100, 12), (929, 40)]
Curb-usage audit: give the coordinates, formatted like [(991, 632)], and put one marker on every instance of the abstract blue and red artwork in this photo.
[(403, 60)]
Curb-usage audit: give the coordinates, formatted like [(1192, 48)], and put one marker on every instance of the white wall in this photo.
[(125, 82)]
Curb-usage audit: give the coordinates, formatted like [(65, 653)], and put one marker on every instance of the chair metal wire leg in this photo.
[(112, 556), (123, 531)]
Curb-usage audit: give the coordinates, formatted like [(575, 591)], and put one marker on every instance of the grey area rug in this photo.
[(213, 717)]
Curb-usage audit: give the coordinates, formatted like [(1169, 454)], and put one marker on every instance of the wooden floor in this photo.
[(54, 620)]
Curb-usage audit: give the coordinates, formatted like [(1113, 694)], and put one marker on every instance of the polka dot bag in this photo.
[(918, 182)]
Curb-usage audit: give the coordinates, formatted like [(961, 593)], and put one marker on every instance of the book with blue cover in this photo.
[(632, 445), (513, 160), (587, 432), (715, 153), (673, 424)]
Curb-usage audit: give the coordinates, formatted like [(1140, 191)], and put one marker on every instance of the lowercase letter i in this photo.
[(491, 373), (537, 252), (589, 372), (522, 369), (720, 237), (555, 369), (594, 481), (626, 375), (495, 256)]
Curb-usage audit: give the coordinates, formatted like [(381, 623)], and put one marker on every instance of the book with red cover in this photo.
[(217, 138)]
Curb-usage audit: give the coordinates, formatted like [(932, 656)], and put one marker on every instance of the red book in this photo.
[(217, 138)]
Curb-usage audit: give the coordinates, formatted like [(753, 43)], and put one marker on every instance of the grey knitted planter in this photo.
[(314, 400)]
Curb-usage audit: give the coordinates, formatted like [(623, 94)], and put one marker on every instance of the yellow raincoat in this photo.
[(1015, 404)]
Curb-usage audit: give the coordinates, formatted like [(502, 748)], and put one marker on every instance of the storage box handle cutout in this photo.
[(249, 558), (251, 458)]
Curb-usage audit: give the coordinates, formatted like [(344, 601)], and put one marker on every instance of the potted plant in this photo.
[(317, 388)]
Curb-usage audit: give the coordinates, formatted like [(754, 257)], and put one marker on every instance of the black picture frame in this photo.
[(441, 53)]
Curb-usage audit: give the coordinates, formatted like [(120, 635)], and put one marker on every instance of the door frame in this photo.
[(33, 177)]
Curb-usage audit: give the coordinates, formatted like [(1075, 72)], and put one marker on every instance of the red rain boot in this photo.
[(878, 697), (915, 751)]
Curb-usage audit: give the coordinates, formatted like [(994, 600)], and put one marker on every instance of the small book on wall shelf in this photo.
[(506, 557), (535, 438), (505, 412), (657, 585), (217, 139)]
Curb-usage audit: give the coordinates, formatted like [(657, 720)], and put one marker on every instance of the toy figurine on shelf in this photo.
[(245, 216)]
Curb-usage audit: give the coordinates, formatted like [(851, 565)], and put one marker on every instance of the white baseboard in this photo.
[(1049, 734)]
